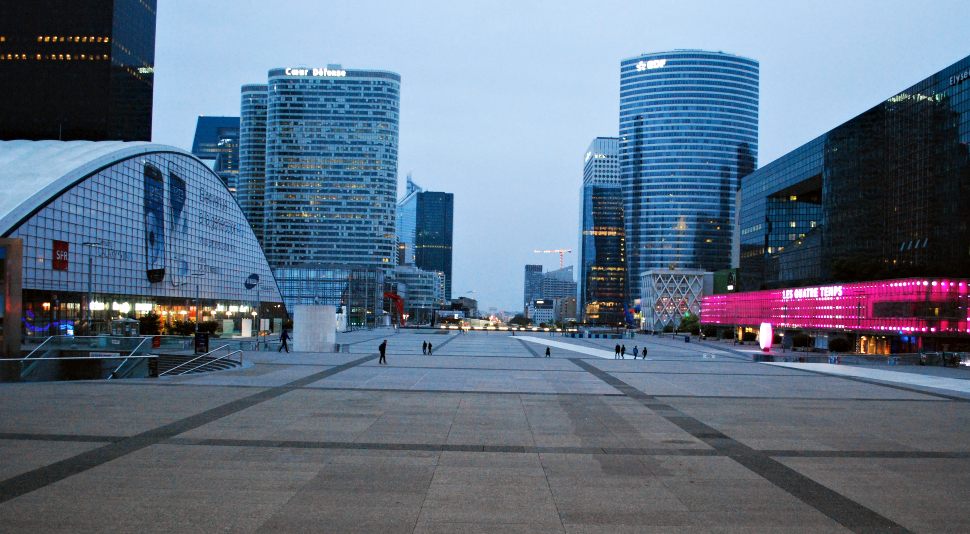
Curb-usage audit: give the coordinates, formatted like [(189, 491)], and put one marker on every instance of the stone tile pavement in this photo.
[(483, 436)]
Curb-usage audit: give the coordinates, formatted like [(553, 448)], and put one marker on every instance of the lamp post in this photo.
[(197, 308), (87, 307)]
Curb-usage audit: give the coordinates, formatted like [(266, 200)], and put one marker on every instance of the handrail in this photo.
[(130, 354), (46, 341), (86, 358), (193, 359), (213, 361)]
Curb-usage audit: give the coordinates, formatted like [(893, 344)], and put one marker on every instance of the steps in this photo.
[(204, 364)]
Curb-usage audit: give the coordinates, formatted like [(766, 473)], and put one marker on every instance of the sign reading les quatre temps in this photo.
[(812, 292), (332, 73)]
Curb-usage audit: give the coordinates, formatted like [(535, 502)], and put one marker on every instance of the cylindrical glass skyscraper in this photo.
[(688, 133)]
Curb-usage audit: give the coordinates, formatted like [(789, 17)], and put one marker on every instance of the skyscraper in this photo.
[(424, 230), (217, 143), (688, 132), (602, 269), (74, 70), (330, 177), (251, 181), (532, 287)]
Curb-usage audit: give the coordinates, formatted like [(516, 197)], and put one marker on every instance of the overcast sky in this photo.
[(499, 100)]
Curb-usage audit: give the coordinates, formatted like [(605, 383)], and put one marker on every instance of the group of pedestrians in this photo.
[(426, 348), (619, 352)]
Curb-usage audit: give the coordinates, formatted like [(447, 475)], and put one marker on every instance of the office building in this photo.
[(688, 133), (532, 286), (602, 261), (251, 179), (881, 196), (423, 292), (112, 229), (670, 294), (863, 233), (558, 284), (216, 143), (425, 220), (542, 311), (324, 194), (74, 70)]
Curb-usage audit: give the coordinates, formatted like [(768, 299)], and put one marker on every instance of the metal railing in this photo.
[(117, 372), (38, 347), (229, 352)]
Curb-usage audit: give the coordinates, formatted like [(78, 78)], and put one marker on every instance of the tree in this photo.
[(690, 323), (520, 320), (150, 324)]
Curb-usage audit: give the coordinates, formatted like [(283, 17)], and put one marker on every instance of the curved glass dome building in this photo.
[(117, 229), (688, 133)]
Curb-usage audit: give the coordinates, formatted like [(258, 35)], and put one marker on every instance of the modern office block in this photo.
[(251, 181), (532, 285), (216, 142), (425, 221), (602, 259), (324, 192), (688, 133), (558, 284), (884, 195), (74, 70)]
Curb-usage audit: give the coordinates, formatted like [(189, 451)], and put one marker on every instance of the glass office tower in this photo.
[(74, 70), (251, 181), (602, 269), (217, 143), (424, 231), (330, 176), (883, 195), (688, 133)]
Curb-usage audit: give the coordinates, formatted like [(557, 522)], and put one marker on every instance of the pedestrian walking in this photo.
[(616, 352), (429, 348), (548, 352), (622, 352), (284, 337), (424, 348), (383, 350), (636, 352), (644, 353)]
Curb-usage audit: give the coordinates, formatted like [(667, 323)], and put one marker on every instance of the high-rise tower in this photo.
[(688, 133), (602, 269), (74, 70)]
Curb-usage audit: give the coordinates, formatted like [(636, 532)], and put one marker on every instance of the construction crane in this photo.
[(562, 254)]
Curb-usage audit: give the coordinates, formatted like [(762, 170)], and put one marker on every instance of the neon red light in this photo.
[(905, 306)]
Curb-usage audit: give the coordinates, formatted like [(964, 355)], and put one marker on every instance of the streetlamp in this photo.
[(87, 307), (197, 308)]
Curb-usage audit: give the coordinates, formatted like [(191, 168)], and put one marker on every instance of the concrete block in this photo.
[(314, 328)]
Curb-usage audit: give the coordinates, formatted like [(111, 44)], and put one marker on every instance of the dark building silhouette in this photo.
[(217, 143), (425, 220), (74, 70), (881, 196)]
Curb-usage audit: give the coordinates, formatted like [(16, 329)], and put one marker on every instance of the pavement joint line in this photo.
[(41, 477), (845, 511), (444, 447), (369, 339), (528, 348)]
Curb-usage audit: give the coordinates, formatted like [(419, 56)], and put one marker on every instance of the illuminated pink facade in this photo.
[(904, 306)]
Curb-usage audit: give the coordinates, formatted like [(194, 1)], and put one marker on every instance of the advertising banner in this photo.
[(61, 253)]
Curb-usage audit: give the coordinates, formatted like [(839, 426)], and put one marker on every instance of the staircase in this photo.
[(203, 364)]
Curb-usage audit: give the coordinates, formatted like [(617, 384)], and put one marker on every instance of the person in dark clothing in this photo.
[(622, 352), (284, 337), (548, 352), (636, 352), (429, 348), (616, 352), (424, 348), (383, 350)]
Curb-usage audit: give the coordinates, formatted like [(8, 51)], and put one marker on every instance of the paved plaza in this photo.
[(488, 436)]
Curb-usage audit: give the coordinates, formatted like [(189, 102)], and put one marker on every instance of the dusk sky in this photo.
[(499, 100)]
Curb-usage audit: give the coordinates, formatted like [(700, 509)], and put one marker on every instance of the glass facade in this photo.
[(433, 234), (323, 193), (77, 70), (217, 143), (881, 196), (423, 292), (154, 229), (688, 132), (532, 286), (602, 268), (251, 181)]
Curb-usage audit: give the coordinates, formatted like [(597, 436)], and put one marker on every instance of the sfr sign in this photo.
[(61, 252)]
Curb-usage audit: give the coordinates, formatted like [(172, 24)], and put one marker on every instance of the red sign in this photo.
[(61, 250)]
